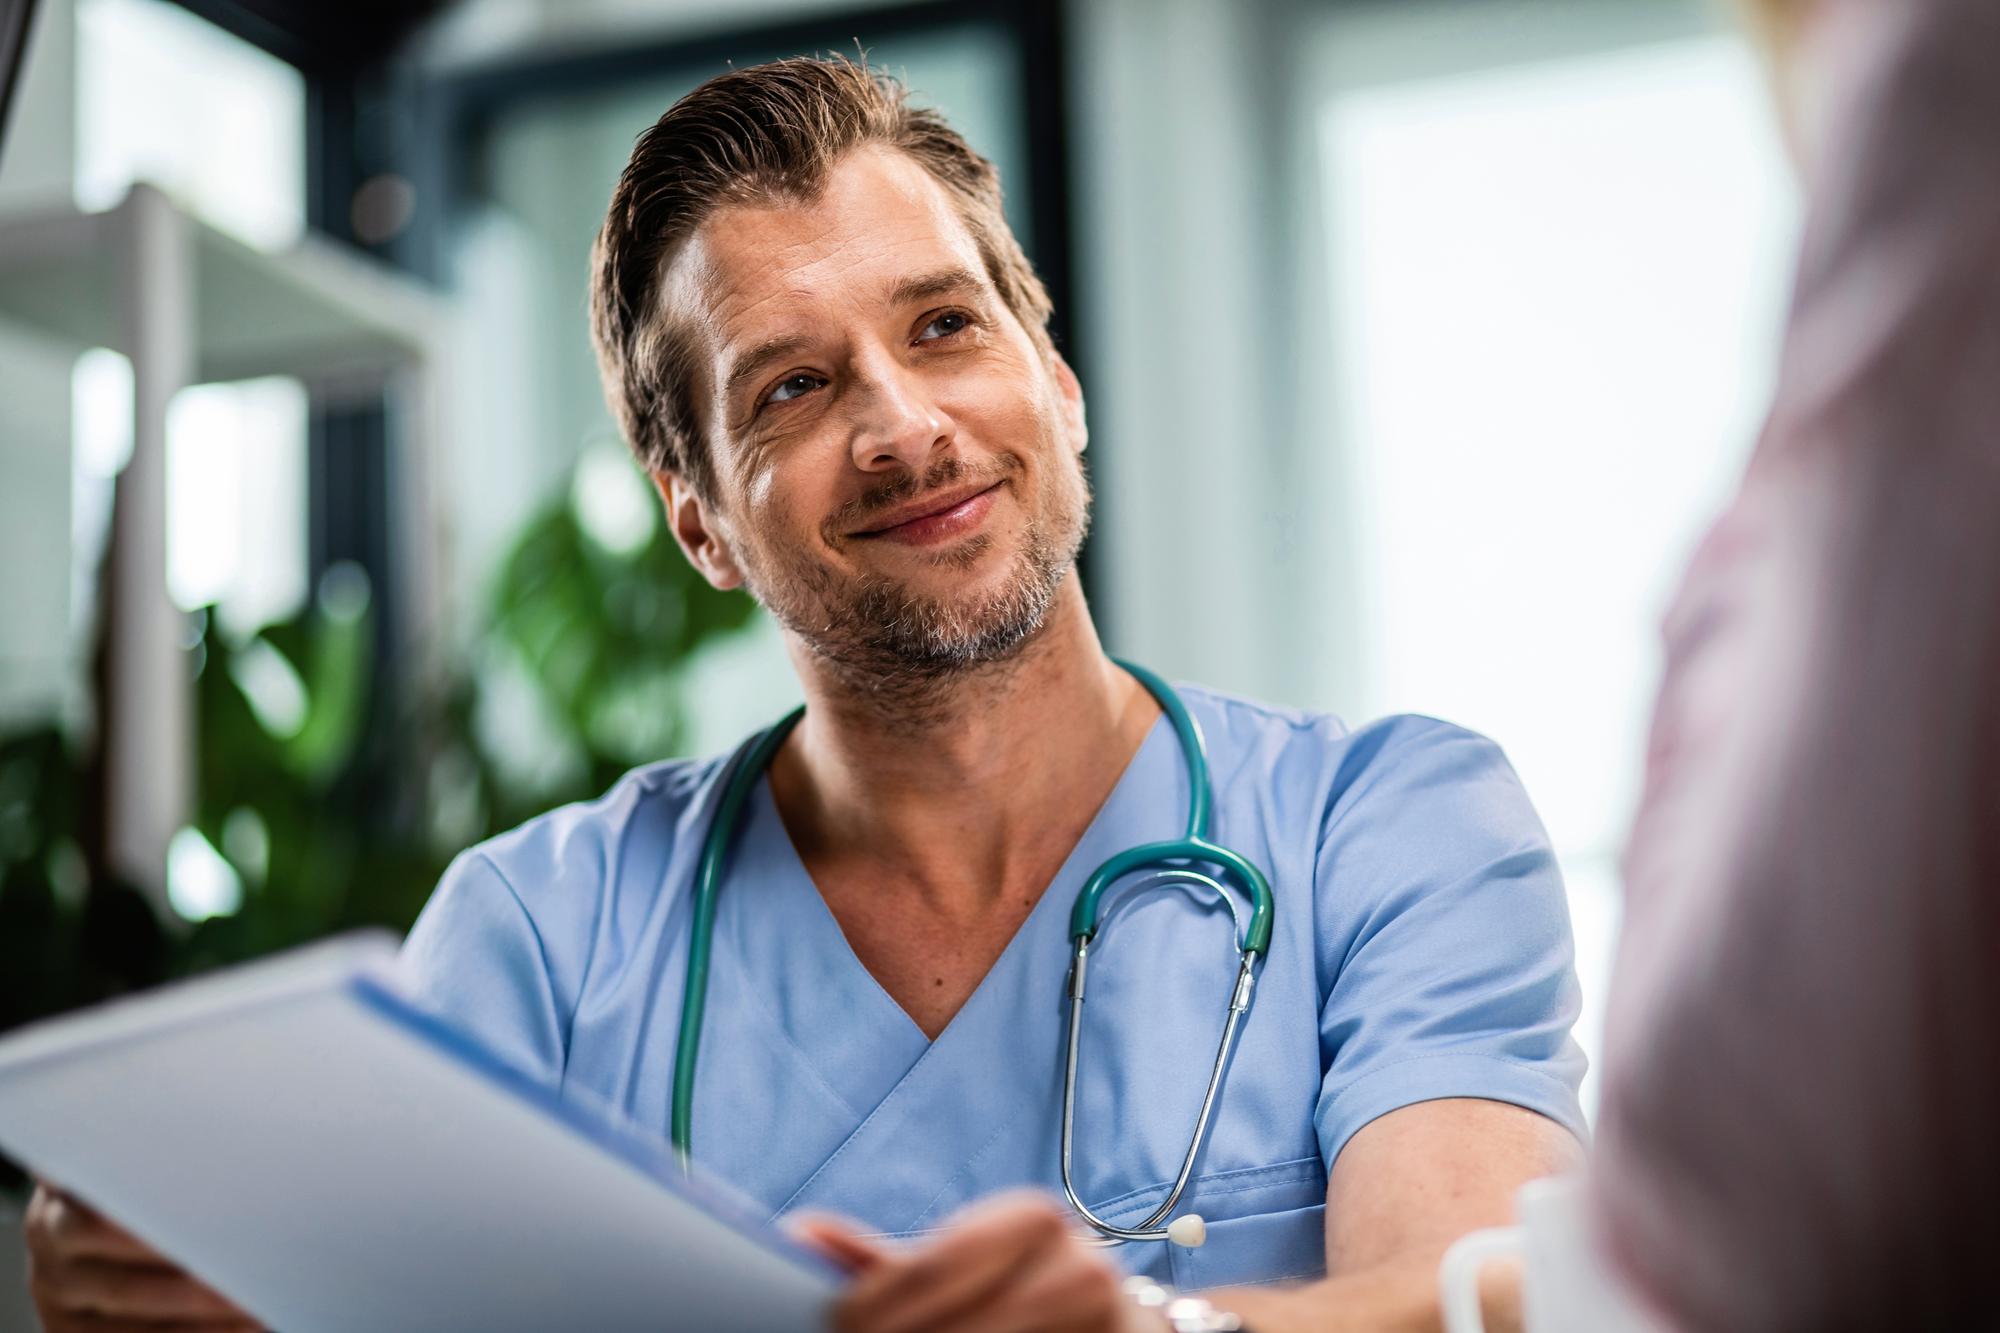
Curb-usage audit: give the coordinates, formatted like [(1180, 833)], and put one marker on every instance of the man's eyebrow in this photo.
[(754, 361), (927, 286)]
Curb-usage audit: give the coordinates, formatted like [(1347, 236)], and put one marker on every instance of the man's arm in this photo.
[(88, 1275), (1405, 1187)]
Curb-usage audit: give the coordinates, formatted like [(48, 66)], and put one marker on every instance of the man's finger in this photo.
[(99, 1323), (138, 1292), (73, 1229), (933, 1286), (1073, 1290), (840, 1241)]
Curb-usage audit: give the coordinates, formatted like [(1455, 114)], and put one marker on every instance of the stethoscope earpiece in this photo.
[(1188, 1229)]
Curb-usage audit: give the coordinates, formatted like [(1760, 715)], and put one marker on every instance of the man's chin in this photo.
[(923, 615), (940, 590), (935, 629)]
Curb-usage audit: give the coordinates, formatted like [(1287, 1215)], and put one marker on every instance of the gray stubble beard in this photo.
[(906, 655)]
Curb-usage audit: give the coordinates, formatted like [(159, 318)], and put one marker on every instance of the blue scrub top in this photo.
[(1421, 950)]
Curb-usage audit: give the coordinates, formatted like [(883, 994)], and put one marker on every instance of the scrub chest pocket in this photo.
[(1265, 1225), (1262, 1248)]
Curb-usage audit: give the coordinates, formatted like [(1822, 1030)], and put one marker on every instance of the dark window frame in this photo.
[(457, 106), (369, 114)]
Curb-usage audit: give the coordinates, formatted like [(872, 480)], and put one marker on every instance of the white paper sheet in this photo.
[(333, 1160)]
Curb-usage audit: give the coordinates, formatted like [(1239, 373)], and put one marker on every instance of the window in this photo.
[(1556, 288), (166, 98)]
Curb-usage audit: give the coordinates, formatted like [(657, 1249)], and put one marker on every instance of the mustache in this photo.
[(901, 489)]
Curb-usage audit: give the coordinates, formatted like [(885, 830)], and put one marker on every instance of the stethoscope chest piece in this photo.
[(1174, 861)]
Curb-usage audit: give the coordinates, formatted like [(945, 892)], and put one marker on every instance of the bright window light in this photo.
[(613, 502), (236, 499), (166, 97), (273, 688), (1556, 293), (100, 391), (200, 882)]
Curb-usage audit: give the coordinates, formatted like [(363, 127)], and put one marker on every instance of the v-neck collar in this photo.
[(999, 1053), (795, 894)]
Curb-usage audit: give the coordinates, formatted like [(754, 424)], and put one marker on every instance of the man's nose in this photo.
[(898, 425)]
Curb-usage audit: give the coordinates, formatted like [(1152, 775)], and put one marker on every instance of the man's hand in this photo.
[(1012, 1263), (87, 1275)]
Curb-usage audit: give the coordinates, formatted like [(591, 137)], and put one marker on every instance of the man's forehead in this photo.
[(880, 219)]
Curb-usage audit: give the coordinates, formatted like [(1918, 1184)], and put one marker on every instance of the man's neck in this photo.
[(983, 791)]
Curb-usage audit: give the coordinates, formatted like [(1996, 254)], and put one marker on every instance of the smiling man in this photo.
[(832, 357)]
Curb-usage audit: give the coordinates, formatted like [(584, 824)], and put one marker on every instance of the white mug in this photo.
[(1565, 1286)]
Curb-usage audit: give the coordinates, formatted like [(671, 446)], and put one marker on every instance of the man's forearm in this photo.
[(1406, 1187), (1398, 1297)]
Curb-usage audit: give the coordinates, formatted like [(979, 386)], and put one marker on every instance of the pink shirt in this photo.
[(1800, 1126)]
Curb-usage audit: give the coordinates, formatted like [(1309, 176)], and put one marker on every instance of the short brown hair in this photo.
[(768, 132)]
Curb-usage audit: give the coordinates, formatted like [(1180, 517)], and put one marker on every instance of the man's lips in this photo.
[(936, 517)]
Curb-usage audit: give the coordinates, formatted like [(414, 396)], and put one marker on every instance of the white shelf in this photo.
[(318, 310), (189, 304)]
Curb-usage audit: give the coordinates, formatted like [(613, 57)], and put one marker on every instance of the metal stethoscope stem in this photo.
[(1239, 1004)]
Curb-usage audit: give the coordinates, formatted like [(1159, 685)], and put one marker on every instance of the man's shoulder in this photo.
[(639, 824), (1325, 772), (1242, 710), (1239, 718)]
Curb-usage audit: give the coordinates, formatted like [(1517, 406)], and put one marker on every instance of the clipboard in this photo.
[(332, 1157)]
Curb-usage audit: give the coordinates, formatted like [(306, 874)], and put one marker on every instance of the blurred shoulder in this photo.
[(1407, 785), (1429, 778), (505, 942), (1349, 763), (1234, 721), (628, 837)]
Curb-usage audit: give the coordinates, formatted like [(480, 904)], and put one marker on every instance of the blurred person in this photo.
[(1802, 1070), (831, 355)]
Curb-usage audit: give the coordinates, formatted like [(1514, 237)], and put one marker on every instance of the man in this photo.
[(1802, 1070), (832, 357)]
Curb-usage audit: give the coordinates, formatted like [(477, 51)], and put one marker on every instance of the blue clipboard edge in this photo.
[(628, 1145), (362, 965)]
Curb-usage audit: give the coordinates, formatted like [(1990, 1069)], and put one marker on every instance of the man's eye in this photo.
[(944, 326), (796, 386)]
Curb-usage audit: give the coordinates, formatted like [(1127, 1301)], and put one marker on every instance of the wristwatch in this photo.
[(1184, 1314)]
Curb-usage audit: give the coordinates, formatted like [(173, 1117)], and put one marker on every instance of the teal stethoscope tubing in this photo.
[(1172, 860)]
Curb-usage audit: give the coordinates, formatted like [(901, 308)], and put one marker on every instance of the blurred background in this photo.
[(1420, 337)]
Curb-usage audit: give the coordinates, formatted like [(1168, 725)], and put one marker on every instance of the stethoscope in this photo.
[(1171, 862)]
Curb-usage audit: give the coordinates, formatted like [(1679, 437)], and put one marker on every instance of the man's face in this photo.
[(896, 462)]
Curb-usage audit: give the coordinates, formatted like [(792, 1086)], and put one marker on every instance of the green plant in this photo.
[(67, 937), (329, 805), (604, 626)]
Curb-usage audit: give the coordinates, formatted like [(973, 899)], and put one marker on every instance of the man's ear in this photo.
[(1071, 390), (694, 527)]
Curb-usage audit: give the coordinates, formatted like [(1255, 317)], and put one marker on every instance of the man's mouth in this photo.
[(936, 517)]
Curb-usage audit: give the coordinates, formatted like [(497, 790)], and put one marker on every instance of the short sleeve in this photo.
[(1445, 931), (476, 960)]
